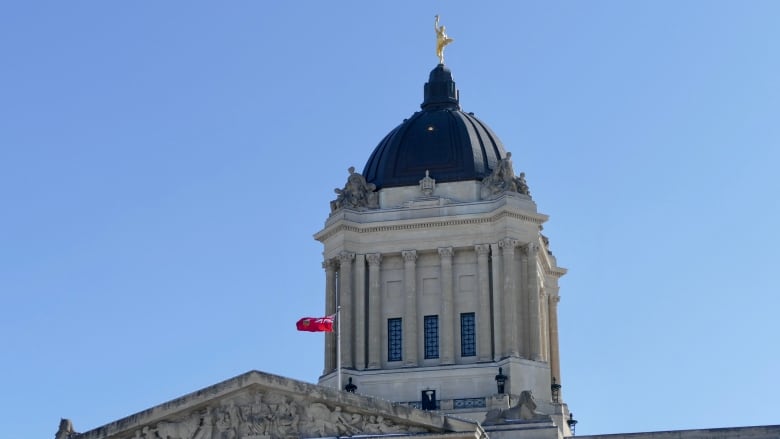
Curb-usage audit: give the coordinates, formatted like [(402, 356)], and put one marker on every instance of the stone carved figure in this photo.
[(503, 179), (206, 430), (65, 429), (317, 420), (176, 430), (522, 185), (525, 410), (227, 423), (527, 405), (546, 242), (357, 193), (281, 416)]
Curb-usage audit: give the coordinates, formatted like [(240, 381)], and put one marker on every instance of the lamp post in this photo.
[(555, 388), (350, 387), (501, 380), (572, 423)]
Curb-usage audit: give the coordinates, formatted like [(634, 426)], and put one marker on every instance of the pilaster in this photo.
[(448, 321), (534, 321), (511, 345), (374, 311), (483, 316), (410, 308), (555, 359), (359, 313), (499, 340), (347, 311)]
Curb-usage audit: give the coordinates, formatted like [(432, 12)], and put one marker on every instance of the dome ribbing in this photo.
[(451, 144)]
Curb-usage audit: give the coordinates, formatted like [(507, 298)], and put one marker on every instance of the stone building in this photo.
[(447, 294), (444, 281)]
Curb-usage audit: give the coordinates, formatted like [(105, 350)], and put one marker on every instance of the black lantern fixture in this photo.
[(350, 387), (555, 388), (572, 423), (501, 380)]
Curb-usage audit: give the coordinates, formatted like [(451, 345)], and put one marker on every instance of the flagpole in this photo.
[(338, 346)]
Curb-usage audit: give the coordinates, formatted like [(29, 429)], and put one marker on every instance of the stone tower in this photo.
[(445, 284)]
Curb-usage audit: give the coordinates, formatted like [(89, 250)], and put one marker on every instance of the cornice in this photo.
[(425, 223), (554, 271)]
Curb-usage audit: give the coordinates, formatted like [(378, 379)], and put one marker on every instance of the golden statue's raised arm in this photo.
[(441, 39)]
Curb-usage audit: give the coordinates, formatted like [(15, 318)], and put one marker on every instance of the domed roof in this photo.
[(451, 144)]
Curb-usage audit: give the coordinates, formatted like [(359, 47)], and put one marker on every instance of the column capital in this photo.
[(346, 257), (508, 244), (531, 248), (482, 249), (445, 252), (409, 255), (330, 264), (374, 258), (555, 299)]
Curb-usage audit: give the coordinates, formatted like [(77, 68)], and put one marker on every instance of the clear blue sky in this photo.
[(163, 166)]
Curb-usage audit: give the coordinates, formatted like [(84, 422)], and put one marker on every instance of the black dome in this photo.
[(451, 144)]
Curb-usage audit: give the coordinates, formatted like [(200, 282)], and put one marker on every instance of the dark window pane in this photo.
[(431, 328), (468, 341), (394, 340)]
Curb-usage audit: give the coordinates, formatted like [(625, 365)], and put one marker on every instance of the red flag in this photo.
[(316, 324)]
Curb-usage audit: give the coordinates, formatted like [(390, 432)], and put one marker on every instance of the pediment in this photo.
[(257, 405)]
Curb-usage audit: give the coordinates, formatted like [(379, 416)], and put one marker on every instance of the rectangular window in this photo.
[(394, 339), (468, 340), (431, 328)]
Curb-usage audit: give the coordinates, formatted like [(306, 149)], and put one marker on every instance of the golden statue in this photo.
[(441, 39)]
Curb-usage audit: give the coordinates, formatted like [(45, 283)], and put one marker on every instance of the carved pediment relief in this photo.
[(257, 405), (269, 415)]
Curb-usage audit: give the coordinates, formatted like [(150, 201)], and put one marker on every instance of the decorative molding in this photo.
[(482, 249), (468, 403), (446, 252), (409, 255), (359, 228)]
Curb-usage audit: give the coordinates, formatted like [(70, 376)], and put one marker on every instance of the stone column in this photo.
[(555, 359), (410, 308), (330, 308), (522, 326), (347, 312), (360, 312), (448, 323), (510, 320), (499, 341), (544, 325), (483, 316), (534, 320), (374, 312)]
